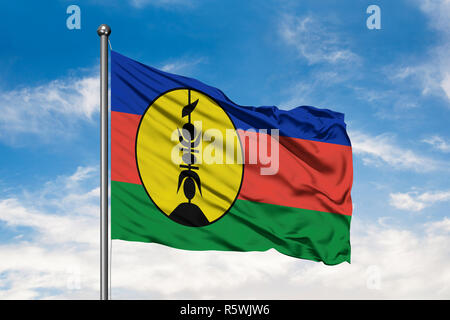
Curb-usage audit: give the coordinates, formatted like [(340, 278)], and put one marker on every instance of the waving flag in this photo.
[(193, 170)]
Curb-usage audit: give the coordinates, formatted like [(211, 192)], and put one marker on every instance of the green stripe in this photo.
[(248, 226)]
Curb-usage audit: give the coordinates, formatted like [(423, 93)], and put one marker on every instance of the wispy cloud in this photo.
[(445, 84), (183, 65), (429, 77), (314, 89), (382, 150), (439, 143), (414, 201), (433, 74), (314, 42), (439, 10), (67, 199), (48, 109), (439, 227), (60, 259), (55, 230)]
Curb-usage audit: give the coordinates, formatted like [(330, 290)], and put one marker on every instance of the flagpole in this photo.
[(104, 31)]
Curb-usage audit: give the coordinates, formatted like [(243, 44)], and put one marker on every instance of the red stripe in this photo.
[(123, 134), (312, 175)]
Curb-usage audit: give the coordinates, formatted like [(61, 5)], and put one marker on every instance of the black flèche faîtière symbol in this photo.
[(188, 213)]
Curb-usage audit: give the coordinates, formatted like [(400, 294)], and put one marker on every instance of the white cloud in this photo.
[(438, 143), (445, 84), (439, 227), (405, 201), (82, 173), (388, 262), (60, 260), (432, 197), (49, 109), (415, 201), (433, 74), (311, 90), (382, 150), (55, 234), (314, 41), (61, 211), (439, 11), (181, 65), (430, 77)]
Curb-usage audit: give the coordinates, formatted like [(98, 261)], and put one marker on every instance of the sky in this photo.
[(393, 84)]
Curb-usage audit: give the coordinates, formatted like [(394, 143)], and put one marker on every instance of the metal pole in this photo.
[(104, 31)]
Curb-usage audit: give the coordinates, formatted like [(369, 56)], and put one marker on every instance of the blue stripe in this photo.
[(134, 86)]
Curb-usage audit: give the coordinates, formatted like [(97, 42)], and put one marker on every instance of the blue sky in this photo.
[(392, 84)]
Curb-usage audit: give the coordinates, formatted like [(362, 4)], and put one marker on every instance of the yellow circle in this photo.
[(165, 173)]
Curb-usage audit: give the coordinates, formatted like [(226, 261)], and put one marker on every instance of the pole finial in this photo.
[(104, 30)]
